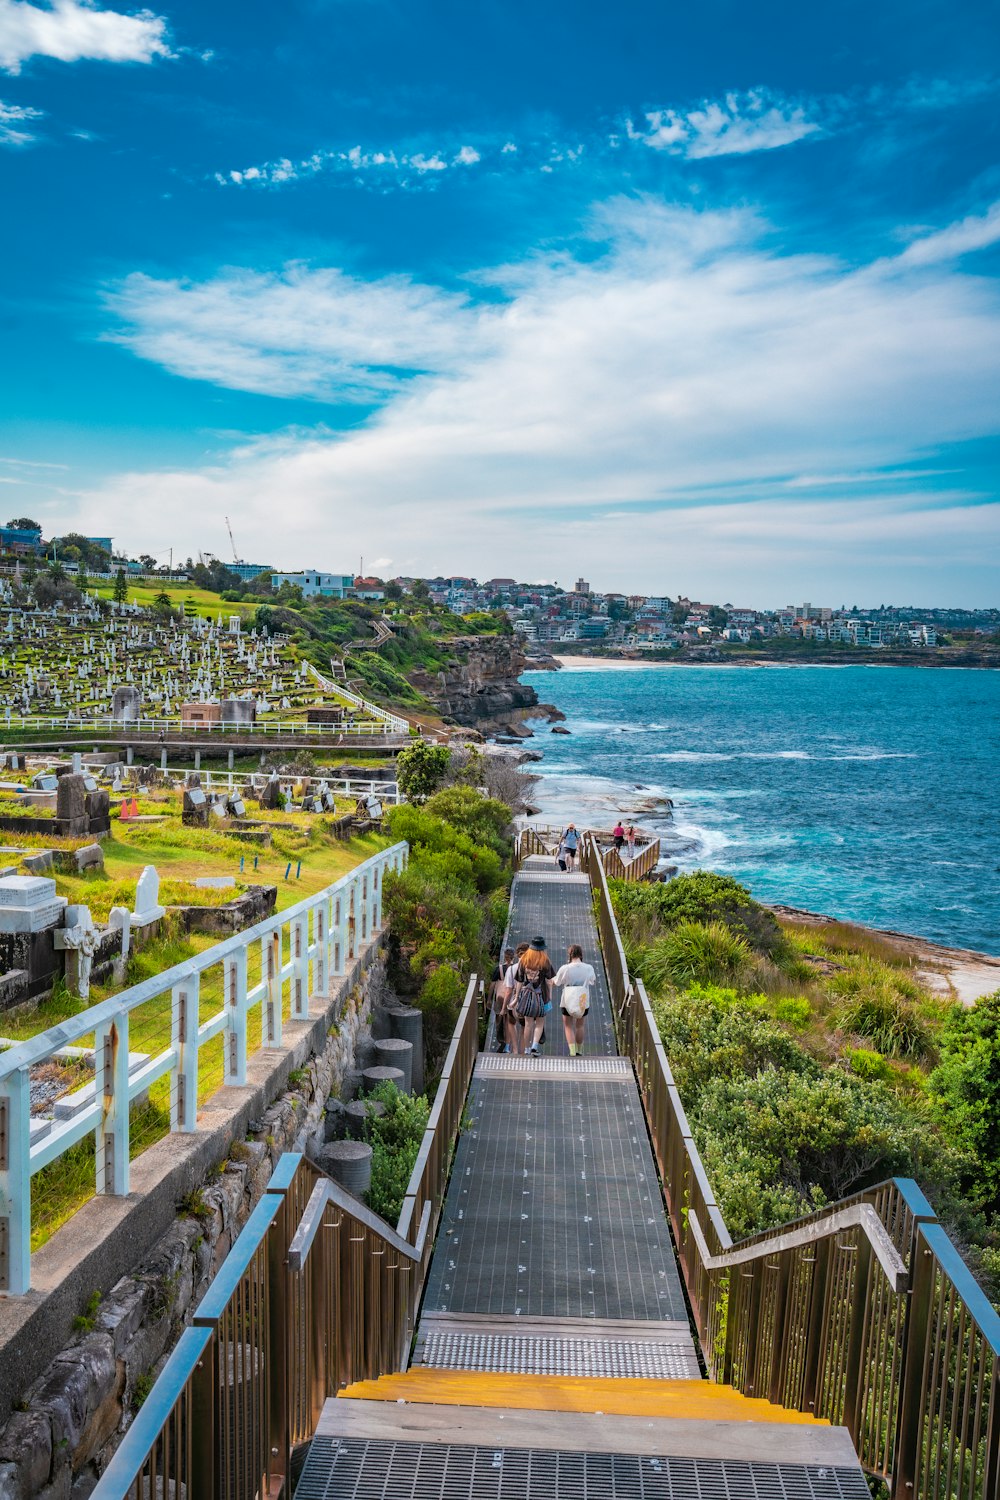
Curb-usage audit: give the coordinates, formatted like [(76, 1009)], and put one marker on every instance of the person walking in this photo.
[(630, 838), (576, 981), (569, 845), (496, 1002), (618, 834), (530, 995), (512, 1026)]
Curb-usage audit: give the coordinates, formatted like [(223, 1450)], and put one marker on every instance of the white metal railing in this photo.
[(343, 918), (77, 723), (397, 724), (347, 786)]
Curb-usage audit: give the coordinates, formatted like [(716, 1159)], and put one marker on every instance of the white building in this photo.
[(329, 585)]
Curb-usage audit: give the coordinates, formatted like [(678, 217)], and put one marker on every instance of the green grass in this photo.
[(204, 602)]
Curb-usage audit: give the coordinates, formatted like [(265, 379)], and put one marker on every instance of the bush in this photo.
[(888, 1021), (696, 953), (702, 897), (420, 769), (395, 1141), (711, 1033), (965, 1088), (484, 819), (794, 1011), (866, 1064)]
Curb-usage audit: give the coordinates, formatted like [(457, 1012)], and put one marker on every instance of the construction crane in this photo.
[(232, 543)]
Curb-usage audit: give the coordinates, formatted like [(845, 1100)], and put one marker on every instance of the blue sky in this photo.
[(696, 299)]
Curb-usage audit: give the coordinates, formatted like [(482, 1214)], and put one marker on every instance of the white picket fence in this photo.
[(306, 946)]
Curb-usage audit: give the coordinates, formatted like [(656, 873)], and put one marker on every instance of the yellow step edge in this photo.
[(679, 1399)]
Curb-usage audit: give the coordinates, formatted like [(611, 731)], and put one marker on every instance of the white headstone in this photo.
[(147, 898)]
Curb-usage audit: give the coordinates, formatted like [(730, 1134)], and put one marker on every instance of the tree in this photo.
[(148, 562), (421, 590), (162, 603), (966, 1087), (121, 587), (24, 523), (393, 590), (83, 578), (717, 617), (420, 769)]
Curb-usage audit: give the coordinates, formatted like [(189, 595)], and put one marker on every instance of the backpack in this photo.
[(529, 995)]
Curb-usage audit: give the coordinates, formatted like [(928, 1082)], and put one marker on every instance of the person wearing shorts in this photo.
[(576, 981)]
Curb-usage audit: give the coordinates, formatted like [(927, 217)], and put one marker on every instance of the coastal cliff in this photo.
[(480, 687)]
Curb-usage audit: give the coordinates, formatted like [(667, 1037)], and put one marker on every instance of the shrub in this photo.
[(866, 1064), (890, 1022), (965, 1088), (711, 1033), (696, 953), (702, 897), (420, 769), (395, 1141), (794, 1011), (485, 820)]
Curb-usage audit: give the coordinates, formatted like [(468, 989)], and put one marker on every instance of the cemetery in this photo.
[(95, 662), (110, 874)]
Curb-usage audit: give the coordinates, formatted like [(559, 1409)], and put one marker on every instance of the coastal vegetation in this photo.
[(447, 910), (812, 1063)]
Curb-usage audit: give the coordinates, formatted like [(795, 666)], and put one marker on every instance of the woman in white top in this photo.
[(576, 980)]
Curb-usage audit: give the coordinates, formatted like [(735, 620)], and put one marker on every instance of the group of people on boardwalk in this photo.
[(624, 836), (521, 997)]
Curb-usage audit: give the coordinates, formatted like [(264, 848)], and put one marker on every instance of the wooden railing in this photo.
[(425, 1190), (317, 1292), (644, 862), (863, 1313)]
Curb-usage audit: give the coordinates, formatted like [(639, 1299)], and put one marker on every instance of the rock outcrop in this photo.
[(482, 689)]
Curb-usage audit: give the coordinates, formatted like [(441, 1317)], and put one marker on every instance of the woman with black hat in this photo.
[(530, 994)]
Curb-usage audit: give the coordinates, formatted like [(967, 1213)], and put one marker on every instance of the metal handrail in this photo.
[(316, 1293), (343, 918), (863, 1313)]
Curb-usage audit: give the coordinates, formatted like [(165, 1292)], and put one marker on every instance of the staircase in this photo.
[(554, 1357)]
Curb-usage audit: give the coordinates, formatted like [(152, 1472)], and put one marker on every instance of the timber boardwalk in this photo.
[(554, 1354)]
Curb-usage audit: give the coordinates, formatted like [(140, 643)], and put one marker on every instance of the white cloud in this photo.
[(73, 29), (757, 120), (606, 405), (300, 332), (12, 118), (976, 232), (467, 157)]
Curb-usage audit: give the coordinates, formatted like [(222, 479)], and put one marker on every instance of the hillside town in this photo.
[(547, 616)]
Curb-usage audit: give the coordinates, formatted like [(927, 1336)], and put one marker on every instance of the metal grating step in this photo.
[(525, 1354), (371, 1469), (527, 873), (499, 1063)]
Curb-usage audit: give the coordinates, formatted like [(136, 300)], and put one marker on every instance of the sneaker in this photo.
[(572, 1049), (534, 1050)]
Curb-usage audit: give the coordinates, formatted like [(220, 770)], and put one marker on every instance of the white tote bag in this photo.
[(575, 999)]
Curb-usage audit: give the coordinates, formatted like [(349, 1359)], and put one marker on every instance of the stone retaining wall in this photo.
[(71, 1414)]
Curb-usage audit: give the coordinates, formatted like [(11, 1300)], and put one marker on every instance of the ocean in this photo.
[(868, 793)]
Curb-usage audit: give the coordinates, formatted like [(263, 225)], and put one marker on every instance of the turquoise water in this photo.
[(869, 793)]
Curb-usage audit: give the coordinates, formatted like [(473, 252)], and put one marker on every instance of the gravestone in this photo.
[(72, 816), (78, 941), (126, 704), (30, 912), (241, 711), (195, 810), (147, 898)]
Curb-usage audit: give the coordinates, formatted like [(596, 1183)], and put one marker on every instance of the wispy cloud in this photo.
[(667, 361), (13, 117), (976, 232), (738, 124), (300, 332), (70, 30), (758, 120)]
